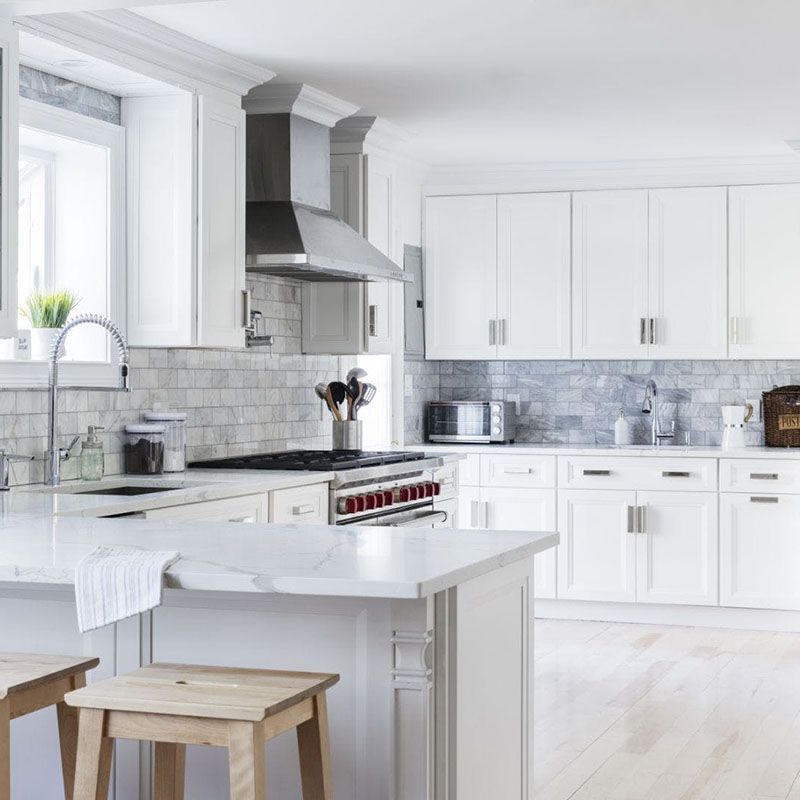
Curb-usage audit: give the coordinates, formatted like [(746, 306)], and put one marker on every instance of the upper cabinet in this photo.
[(649, 274), (764, 271), (9, 94), (497, 276)]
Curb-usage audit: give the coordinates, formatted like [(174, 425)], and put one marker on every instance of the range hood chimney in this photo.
[(290, 229)]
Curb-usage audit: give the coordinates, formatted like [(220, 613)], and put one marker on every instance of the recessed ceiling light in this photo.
[(73, 63)]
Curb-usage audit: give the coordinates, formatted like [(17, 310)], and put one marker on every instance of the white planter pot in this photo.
[(42, 341)]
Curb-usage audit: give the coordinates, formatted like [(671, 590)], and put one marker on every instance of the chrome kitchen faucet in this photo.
[(650, 406)]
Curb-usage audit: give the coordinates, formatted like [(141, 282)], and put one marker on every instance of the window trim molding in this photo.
[(68, 124)]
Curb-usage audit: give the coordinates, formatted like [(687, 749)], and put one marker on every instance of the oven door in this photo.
[(424, 517), (459, 422)]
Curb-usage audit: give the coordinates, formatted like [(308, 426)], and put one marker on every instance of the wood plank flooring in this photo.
[(644, 712)]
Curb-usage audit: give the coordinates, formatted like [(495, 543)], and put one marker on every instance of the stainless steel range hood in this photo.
[(290, 230)]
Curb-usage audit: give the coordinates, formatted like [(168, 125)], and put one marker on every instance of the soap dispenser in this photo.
[(623, 433), (93, 464)]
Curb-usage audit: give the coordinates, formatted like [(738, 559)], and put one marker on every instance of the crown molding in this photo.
[(634, 174), (133, 41), (352, 134), (299, 99)]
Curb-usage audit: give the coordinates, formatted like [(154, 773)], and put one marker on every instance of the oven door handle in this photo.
[(433, 516)]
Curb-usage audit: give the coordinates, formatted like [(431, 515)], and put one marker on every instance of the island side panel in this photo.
[(490, 715)]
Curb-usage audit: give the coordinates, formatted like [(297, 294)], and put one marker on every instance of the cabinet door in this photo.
[(609, 300), (688, 273), (760, 551), (526, 510), (597, 554), (306, 504), (676, 548), (221, 224), (253, 508), (461, 277), (533, 275), (9, 169), (764, 275), (159, 135)]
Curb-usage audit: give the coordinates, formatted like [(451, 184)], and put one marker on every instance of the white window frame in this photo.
[(68, 124)]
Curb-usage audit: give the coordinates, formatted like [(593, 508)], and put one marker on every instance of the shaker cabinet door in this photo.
[(461, 277), (609, 280)]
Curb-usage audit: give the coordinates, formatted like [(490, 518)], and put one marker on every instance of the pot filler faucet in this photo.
[(56, 454), (650, 406)]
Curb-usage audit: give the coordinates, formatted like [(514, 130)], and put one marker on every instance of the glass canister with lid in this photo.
[(144, 449), (174, 423)]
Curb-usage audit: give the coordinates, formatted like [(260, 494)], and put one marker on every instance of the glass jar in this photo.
[(174, 423), (92, 459), (144, 449)]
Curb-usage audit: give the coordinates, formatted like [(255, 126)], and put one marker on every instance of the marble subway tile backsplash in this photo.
[(238, 401), (576, 402)]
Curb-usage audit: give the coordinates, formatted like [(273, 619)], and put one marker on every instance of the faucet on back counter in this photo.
[(650, 406)]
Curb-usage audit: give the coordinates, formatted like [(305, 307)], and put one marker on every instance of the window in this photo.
[(70, 217), (377, 417)]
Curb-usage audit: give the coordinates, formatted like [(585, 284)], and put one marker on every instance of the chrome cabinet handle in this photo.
[(247, 307), (763, 476), (763, 499), (492, 331), (301, 511), (372, 316), (734, 330), (631, 519), (503, 332), (641, 519), (518, 471), (485, 505), (598, 472), (652, 330), (473, 517), (642, 330), (674, 474)]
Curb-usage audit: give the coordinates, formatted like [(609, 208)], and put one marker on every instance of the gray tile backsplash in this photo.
[(54, 91), (238, 401), (576, 402)]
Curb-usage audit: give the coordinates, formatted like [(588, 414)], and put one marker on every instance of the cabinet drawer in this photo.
[(308, 504), (469, 470), (251, 508), (600, 472), (759, 475), (518, 471)]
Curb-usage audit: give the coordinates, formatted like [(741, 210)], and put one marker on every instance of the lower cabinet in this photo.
[(760, 551), (252, 508), (306, 504), (651, 547)]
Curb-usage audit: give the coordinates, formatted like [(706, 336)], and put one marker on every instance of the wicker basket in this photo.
[(782, 416)]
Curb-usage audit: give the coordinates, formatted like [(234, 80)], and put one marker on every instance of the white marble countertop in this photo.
[(666, 451)]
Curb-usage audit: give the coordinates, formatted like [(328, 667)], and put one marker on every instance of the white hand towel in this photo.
[(113, 583)]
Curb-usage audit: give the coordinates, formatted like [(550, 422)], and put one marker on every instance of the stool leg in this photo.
[(93, 767), (5, 749), (170, 771), (315, 753), (68, 737), (246, 755)]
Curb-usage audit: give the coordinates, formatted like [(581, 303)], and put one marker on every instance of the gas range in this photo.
[(369, 488)]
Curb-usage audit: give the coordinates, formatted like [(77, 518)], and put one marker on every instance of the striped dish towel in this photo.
[(112, 583)]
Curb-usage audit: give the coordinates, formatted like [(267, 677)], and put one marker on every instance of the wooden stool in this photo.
[(29, 682), (175, 705)]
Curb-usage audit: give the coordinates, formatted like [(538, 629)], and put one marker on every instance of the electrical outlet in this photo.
[(512, 397), (756, 409)]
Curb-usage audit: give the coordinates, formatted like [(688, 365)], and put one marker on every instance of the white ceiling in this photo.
[(515, 81)]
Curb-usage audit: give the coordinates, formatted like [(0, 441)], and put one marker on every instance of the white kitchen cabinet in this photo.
[(687, 276), (597, 551), (252, 508), (533, 276), (461, 277), (497, 276), (677, 548), (760, 551), (185, 206), (9, 169), (764, 275), (301, 504), (470, 512), (609, 280)]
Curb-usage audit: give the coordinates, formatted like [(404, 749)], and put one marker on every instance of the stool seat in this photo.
[(175, 705), (227, 693), (22, 671)]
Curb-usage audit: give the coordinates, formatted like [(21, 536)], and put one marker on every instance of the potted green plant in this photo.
[(47, 312)]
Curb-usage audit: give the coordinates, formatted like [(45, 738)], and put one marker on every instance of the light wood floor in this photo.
[(644, 712)]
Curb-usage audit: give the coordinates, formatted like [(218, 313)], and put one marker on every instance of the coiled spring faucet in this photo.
[(56, 454)]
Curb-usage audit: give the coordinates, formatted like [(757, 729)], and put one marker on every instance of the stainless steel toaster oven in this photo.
[(486, 422)]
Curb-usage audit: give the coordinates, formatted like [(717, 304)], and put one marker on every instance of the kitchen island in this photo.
[(431, 631)]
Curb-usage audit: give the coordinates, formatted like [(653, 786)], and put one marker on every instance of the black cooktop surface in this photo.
[(314, 460)]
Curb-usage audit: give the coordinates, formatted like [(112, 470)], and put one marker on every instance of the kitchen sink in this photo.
[(128, 491), (120, 488)]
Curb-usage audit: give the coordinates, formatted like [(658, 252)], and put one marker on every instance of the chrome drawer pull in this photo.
[(518, 470), (763, 499), (763, 476), (641, 519), (603, 472), (300, 511), (671, 474), (631, 519)]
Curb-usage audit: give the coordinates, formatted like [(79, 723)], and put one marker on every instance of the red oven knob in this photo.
[(361, 502), (388, 497), (347, 505), (370, 501), (378, 499), (437, 488), (428, 490), (413, 492), (402, 495)]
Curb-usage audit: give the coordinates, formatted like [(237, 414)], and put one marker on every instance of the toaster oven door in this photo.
[(459, 422)]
